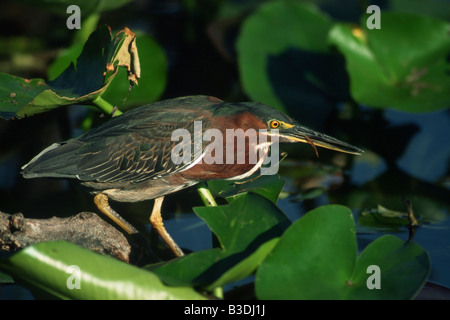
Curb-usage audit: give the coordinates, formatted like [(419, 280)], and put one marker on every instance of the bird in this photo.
[(158, 149)]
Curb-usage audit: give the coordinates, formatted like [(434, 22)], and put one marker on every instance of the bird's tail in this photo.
[(57, 161)]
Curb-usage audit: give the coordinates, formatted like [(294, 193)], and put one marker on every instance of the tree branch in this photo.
[(85, 229)]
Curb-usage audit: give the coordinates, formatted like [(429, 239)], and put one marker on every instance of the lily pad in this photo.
[(316, 258), (244, 227), (406, 59), (403, 270), (285, 61)]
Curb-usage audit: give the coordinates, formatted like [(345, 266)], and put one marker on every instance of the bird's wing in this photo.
[(130, 148), (140, 153)]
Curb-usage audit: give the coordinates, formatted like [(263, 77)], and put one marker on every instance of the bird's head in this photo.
[(289, 130)]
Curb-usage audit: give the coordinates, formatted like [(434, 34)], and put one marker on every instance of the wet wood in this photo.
[(85, 229)]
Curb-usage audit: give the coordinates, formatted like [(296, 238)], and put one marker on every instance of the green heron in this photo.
[(130, 158)]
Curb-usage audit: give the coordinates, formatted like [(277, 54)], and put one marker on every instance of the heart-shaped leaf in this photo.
[(284, 60), (401, 267), (406, 59), (316, 258), (242, 227)]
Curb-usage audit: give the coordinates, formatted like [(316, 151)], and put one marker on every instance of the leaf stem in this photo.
[(209, 201), (206, 195), (106, 107)]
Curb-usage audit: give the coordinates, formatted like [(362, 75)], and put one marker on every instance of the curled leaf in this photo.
[(126, 55), (80, 83)]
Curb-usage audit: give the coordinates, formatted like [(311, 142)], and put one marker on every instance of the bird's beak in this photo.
[(299, 133)]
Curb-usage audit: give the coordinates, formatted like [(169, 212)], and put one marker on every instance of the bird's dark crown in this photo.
[(264, 112)]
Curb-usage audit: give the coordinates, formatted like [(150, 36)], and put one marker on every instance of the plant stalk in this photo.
[(206, 195), (209, 201), (106, 107)]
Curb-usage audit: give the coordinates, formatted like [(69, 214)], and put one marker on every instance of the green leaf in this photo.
[(404, 268), (268, 186), (241, 227), (95, 68), (70, 55), (64, 60), (272, 29), (313, 259), (406, 60), (285, 62), (87, 76), (45, 267), (193, 269), (16, 93), (316, 258), (245, 267), (245, 223), (152, 82)]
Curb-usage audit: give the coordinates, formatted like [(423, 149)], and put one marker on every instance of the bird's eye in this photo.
[(274, 124)]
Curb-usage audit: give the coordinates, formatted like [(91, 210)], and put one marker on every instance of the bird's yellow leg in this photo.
[(101, 201), (157, 223)]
